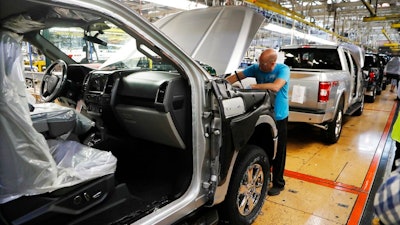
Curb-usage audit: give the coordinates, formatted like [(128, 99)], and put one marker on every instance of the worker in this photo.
[(387, 201), (273, 76), (392, 71)]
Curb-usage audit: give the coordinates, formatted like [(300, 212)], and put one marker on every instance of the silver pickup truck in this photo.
[(326, 82)]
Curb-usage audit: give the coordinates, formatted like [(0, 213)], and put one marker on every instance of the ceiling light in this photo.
[(286, 31), (179, 4)]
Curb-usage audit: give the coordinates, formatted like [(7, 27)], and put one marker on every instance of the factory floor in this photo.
[(335, 184)]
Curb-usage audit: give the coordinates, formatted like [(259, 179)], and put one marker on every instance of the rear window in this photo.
[(312, 58), (370, 61)]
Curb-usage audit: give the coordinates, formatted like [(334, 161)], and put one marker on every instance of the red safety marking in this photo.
[(369, 178), (323, 182), (362, 192)]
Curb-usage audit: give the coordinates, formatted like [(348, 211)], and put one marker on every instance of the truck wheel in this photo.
[(332, 134), (379, 89), (247, 189), (371, 99)]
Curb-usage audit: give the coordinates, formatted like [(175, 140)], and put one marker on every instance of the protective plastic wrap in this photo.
[(393, 66), (58, 120), (28, 166)]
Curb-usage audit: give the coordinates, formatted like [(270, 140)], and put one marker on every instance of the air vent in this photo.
[(109, 85), (161, 92)]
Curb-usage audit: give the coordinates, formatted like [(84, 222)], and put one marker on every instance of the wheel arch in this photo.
[(333, 129), (266, 127), (341, 100)]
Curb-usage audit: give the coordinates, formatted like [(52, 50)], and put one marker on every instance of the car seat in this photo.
[(30, 165)]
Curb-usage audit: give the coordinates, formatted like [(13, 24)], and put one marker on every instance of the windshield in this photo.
[(107, 48)]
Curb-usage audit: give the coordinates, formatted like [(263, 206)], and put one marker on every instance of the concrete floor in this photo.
[(332, 184)]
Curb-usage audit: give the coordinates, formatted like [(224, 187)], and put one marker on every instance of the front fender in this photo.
[(269, 119), (222, 188)]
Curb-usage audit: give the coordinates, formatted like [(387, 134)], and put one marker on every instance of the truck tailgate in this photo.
[(304, 90)]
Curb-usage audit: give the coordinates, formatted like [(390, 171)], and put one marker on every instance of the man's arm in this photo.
[(275, 86), (233, 78)]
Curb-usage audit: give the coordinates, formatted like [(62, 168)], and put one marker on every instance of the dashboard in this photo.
[(150, 105), (97, 91)]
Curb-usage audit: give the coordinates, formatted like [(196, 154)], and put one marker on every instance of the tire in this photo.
[(243, 190), (332, 134), (371, 99), (379, 89)]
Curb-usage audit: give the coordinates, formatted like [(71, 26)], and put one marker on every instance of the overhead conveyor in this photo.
[(275, 7)]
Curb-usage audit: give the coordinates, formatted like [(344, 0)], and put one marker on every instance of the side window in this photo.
[(354, 75), (355, 68), (349, 62)]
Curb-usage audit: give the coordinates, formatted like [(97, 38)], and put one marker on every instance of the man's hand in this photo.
[(235, 77)]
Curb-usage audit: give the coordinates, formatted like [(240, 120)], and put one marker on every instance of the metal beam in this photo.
[(274, 7), (395, 26), (381, 18), (369, 7), (392, 45), (387, 36)]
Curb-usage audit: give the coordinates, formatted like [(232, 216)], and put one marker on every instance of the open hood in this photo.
[(217, 36)]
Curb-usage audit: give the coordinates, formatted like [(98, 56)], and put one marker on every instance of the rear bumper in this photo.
[(307, 117)]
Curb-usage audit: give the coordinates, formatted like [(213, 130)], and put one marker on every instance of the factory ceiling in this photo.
[(370, 23)]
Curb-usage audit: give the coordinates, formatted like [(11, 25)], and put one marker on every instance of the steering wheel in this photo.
[(53, 81)]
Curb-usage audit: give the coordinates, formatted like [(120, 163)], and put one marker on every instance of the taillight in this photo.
[(371, 76), (324, 91)]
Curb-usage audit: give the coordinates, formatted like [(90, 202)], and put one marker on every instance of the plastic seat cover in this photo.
[(28, 166)]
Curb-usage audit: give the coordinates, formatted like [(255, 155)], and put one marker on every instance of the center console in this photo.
[(97, 91)]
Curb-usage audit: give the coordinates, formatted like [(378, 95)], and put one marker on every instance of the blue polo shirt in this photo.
[(281, 71)]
